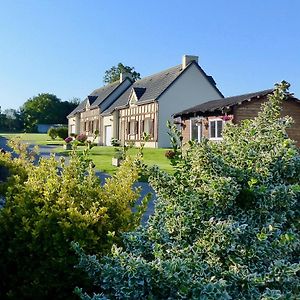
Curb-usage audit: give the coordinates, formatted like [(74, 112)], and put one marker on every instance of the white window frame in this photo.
[(199, 135), (216, 129)]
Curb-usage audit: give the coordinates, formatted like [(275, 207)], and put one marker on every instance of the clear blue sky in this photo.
[(64, 47)]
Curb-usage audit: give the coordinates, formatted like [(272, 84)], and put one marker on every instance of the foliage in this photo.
[(115, 142), (52, 132), (10, 120), (62, 132), (113, 74), (170, 154), (81, 137), (226, 224), (48, 205), (69, 139), (45, 109)]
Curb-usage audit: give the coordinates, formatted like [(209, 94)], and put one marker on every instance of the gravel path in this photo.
[(46, 150)]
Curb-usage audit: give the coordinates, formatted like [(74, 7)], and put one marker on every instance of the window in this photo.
[(195, 130), (132, 127), (215, 129), (147, 126)]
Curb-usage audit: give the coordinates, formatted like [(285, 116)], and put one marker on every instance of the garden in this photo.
[(225, 226), (101, 155)]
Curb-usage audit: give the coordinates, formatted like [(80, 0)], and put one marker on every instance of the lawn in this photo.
[(101, 155), (34, 138)]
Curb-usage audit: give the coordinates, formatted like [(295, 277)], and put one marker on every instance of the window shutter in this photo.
[(142, 127), (128, 127), (152, 127)]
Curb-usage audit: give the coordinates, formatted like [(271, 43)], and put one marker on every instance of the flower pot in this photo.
[(116, 161), (67, 146)]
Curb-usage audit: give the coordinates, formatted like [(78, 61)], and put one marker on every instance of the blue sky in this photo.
[(64, 47)]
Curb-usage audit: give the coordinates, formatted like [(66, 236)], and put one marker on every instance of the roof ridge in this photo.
[(158, 73), (105, 86), (240, 95)]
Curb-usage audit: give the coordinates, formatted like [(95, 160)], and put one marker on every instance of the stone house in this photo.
[(208, 119), (125, 109)]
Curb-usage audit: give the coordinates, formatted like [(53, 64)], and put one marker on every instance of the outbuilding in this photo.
[(208, 119)]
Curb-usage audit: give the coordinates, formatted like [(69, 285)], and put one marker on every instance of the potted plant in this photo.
[(68, 143), (119, 156)]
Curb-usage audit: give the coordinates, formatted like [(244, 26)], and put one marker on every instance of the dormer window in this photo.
[(135, 95)]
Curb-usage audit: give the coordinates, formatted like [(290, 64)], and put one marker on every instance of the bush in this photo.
[(226, 224), (170, 154), (69, 139), (50, 204), (81, 137), (115, 142), (52, 132), (62, 132)]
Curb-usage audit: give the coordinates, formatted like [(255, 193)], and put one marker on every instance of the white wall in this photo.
[(75, 123), (192, 88)]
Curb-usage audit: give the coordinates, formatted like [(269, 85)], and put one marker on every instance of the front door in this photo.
[(108, 135)]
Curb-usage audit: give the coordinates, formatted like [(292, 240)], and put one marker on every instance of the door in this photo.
[(108, 135)]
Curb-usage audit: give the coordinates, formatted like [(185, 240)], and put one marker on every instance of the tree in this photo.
[(226, 223), (10, 121), (45, 109), (113, 74)]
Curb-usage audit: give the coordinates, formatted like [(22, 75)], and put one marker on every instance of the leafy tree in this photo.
[(226, 224), (45, 109), (50, 204), (113, 74), (10, 120)]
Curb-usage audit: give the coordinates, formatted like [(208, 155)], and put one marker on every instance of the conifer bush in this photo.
[(47, 206), (226, 224)]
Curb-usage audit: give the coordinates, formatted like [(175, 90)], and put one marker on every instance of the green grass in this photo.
[(101, 155), (34, 138)]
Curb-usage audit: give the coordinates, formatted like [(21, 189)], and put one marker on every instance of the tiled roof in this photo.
[(79, 108), (219, 104), (104, 92), (96, 97), (152, 87)]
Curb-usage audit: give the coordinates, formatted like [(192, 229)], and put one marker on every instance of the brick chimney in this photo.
[(187, 59)]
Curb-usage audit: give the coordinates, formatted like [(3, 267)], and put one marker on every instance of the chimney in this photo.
[(187, 59), (124, 75)]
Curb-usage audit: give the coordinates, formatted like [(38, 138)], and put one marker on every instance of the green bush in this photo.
[(52, 132), (226, 224), (62, 132), (50, 204)]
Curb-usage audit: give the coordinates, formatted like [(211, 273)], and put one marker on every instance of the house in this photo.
[(125, 109), (208, 119)]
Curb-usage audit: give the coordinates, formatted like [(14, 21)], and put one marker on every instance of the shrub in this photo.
[(170, 154), (226, 224), (62, 132), (52, 132), (50, 204), (81, 137), (115, 142), (69, 139)]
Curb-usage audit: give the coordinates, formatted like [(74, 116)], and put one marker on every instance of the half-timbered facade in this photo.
[(144, 106)]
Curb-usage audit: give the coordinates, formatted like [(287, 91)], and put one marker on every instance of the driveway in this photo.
[(46, 150)]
